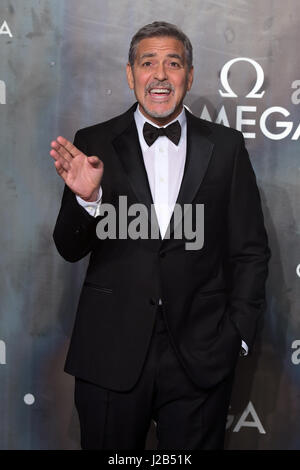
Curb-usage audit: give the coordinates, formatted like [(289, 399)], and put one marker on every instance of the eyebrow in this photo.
[(153, 54)]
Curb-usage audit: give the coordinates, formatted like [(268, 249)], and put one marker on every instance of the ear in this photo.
[(190, 78), (130, 78)]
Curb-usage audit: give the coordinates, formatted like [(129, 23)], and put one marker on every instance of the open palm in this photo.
[(81, 173)]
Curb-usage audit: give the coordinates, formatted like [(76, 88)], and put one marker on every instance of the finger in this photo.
[(61, 150), (63, 162), (74, 151), (54, 154), (60, 171)]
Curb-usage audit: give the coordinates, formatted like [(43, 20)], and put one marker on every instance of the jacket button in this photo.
[(152, 302)]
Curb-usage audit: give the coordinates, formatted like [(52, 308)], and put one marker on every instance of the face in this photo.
[(160, 78)]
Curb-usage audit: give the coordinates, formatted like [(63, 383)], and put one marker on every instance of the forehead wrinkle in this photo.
[(148, 54)]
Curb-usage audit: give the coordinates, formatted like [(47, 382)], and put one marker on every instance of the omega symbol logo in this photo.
[(229, 93)]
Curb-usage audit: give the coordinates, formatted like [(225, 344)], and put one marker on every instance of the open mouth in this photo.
[(160, 92)]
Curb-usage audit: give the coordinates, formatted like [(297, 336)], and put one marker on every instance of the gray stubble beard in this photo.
[(159, 115)]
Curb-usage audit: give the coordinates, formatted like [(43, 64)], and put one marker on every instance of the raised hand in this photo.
[(81, 173)]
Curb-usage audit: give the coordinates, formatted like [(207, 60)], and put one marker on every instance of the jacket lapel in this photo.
[(199, 151), (129, 151)]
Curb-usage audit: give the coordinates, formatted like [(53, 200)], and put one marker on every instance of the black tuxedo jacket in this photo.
[(212, 297)]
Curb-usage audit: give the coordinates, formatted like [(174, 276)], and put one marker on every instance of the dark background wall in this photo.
[(62, 67)]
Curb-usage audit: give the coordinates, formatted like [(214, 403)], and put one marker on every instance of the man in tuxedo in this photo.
[(159, 327)]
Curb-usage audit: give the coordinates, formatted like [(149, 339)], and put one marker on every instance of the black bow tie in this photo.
[(151, 133)]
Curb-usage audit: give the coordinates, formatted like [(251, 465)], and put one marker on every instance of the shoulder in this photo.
[(214, 131), (105, 128)]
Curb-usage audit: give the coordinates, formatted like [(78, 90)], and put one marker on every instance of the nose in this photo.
[(160, 72)]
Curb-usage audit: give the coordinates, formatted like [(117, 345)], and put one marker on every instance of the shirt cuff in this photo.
[(245, 349), (91, 207)]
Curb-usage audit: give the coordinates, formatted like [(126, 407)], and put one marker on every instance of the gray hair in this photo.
[(156, 29)]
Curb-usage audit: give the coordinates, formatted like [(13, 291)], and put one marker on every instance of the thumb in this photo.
[(94, 161)]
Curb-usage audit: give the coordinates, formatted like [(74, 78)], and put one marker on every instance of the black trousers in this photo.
[(187, 418)]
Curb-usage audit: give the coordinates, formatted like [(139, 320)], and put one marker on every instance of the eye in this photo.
[(174, 64), (146, 64)]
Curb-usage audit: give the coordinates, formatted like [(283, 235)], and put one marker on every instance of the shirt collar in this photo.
[(140, 120)]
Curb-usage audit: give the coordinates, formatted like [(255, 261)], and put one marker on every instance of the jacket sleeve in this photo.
[(247, 244), (75, 229)]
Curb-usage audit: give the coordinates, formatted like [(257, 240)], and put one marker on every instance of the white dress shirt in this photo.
[(164, 163)]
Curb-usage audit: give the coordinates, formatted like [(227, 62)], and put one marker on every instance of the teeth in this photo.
[(159, 90)]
